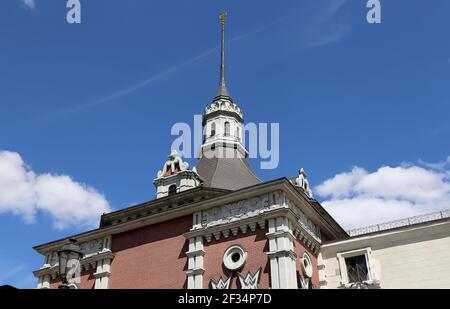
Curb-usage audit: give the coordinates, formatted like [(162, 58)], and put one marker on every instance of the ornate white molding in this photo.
[(236, 211), (251, 281), (246, 215), (221, 284), (95, 252), (195, 263), (365, 285), (223, 105), (281, 255), (87, 263)]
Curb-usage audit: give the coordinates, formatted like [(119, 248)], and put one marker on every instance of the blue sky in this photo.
[(361, 107)]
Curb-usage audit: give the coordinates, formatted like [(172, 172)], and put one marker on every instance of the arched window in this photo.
[(227, 128), (213, 129), (172, 190), (238, 132)]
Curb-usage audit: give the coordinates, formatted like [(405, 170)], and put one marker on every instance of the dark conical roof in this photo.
[(226, 173)]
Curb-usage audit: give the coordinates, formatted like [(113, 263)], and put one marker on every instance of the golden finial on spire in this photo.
[(223, 18)]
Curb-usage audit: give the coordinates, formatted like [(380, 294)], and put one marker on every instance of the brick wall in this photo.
[(256, 245), (151, 257), (299, 249)]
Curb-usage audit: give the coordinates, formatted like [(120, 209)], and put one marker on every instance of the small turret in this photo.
[(175, 177)]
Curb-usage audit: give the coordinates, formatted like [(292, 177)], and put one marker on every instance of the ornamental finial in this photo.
[(223, 18)]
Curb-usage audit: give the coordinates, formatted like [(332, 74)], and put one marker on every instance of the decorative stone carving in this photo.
[(221, 284), (223, 105), (92, 247), (234, 257), (251, 281), (307, 265), (307, 224), (246, 215), (302, 182), (364, 285), (88, 248), (235, 211)]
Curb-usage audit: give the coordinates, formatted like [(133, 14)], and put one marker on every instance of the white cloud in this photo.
[(359, 198), (440, 166), (68, 203), (31, 4)]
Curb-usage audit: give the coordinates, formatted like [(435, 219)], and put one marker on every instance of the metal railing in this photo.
[(400, 223)]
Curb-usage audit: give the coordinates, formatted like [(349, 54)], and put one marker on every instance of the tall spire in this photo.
[(222, 91)]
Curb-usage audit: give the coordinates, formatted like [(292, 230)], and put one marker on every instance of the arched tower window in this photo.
[(172, 190), (213, 129), (227, 128), (238, 132)]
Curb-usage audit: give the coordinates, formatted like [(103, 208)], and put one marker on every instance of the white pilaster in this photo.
[(103, 270), (281, 255), (195, 263), (321, 268)]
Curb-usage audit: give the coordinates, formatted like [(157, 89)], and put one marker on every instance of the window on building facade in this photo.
[(357, 270), (172, 190), (227, 128), (213, 129)]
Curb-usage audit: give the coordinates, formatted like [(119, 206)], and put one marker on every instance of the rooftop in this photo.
[(400, 223)]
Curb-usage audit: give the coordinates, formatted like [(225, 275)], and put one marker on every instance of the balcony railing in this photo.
[(400, 223)]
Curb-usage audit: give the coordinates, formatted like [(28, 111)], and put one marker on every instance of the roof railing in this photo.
[(400, 223)]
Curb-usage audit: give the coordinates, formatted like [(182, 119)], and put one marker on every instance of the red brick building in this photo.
[(215, 226)]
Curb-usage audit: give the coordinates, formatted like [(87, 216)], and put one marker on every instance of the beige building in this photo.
[(409, 253)]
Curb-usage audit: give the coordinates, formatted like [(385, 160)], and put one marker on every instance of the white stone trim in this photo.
[(282, 256), (46, 274), (227, 257), (44, 281), (102, 274), (308, 269), (343, 267), (322, 273), (195, 263)]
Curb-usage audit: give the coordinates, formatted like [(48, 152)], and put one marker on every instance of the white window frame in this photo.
[(367, 252)]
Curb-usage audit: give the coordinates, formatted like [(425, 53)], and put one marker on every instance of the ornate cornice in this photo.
[(87, 263), (241, 216)]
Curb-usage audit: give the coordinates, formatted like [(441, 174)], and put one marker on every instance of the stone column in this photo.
[(195, 263), (282, 257)]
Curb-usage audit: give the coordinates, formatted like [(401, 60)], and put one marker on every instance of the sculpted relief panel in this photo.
[(88, 248), (255, 207), (235, 211)]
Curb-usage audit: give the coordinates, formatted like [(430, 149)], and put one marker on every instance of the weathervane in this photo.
[(223, 18)]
